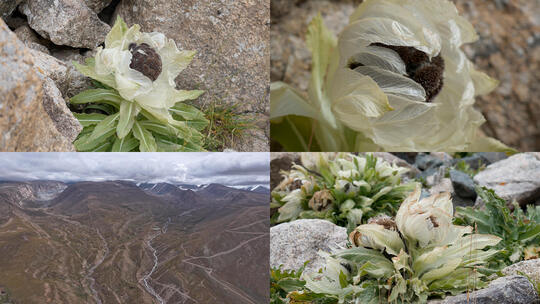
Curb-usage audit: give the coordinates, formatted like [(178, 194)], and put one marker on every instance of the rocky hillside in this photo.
[(111, 242)]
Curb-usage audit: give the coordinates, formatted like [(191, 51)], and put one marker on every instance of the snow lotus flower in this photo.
[(395, 79), (419, 254), (137, 72)]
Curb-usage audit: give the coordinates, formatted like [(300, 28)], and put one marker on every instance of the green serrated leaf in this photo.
[(89, 119), (98, 95), (105, 128), (128, 112), (126, 144), (147, 142)]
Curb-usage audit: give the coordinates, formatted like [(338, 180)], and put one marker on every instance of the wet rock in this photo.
[(515, 178), (8, 6), (281, 161), (530, 268), (30, 39), (97, 5), (24, 122), (463, 184), (65, 22), (504, 290), (292, 244)]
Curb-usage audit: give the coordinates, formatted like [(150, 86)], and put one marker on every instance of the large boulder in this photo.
[(293, 243), (531, 268), (27, 97), (515, 178), (66, 22), (231, 39), (504, 290)]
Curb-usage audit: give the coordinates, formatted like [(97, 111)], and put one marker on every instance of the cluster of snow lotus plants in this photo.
[(340, 187), (417, 255)]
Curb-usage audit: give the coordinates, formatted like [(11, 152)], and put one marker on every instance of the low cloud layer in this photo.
[(233, 169)]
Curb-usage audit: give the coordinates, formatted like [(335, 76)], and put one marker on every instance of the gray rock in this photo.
[(7, 7), (515, 178), (443, 156), (463, 184), (58, 111), (504, 290), (30, 39), (427, 161), (280, 8), (254, 139), (24, 125), (63, 73), (481, 159), (65, 22), (97, 5), (293, 243), (445, 185), (530, 268)]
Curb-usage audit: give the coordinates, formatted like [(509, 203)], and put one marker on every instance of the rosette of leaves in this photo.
[(418, 255), (343, 189), (519, 231), (135, 105), (395, 79)]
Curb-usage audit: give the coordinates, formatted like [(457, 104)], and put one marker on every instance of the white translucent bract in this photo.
[(387, 109)]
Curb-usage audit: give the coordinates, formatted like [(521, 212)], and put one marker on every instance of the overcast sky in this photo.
[(232, 169)]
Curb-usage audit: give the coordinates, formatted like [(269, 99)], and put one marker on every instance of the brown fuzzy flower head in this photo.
[(428, 73), (385, 221), (145, 60), (321, 200)]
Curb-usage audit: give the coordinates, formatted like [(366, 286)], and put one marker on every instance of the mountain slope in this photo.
[(112, 242)]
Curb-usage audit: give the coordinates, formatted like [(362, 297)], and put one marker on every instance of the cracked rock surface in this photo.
[(27, 98), (65, 22)]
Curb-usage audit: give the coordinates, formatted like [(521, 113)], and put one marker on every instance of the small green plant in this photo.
[(520, 232), (419, 255), (343, 189), (224, 126), (284, 281), (466, 168), (135, 105)]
